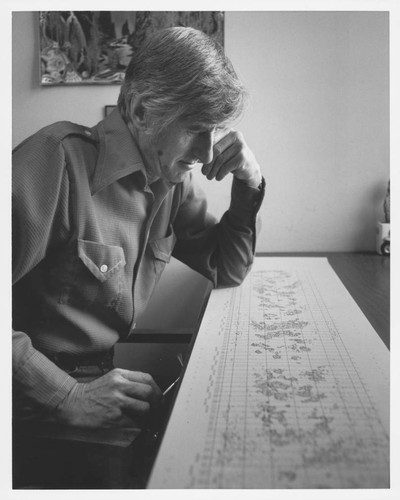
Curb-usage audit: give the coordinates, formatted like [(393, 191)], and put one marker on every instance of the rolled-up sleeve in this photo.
[(35, 377), (222, 251)]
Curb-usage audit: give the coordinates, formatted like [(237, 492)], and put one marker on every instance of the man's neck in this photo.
[(142, 142)]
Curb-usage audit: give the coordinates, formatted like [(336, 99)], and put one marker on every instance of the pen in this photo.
[(180, 358), (171, 386)]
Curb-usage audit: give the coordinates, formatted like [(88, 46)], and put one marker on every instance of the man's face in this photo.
[(180, 148)]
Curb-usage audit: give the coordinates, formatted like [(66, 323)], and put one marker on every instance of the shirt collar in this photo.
[(119, 155)]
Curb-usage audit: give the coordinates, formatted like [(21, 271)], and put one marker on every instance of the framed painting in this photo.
[(82, 47), (108, 109)]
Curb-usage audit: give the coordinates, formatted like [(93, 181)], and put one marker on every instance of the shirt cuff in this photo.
[(245, 201), (42, 381)]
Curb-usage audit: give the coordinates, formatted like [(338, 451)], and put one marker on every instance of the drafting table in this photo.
[(287, 385)]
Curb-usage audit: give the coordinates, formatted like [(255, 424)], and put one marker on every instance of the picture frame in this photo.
[(108, 109), (82, 47)]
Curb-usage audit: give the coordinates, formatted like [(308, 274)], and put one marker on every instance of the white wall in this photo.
[(318, 123), (318, 120)]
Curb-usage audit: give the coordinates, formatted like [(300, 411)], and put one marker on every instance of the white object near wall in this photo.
[(383, 238)]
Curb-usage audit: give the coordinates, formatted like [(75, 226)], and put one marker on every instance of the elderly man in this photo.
[(97, 213)]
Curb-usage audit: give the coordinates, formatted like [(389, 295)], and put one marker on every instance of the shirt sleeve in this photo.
[(40, 197), (222, 251)]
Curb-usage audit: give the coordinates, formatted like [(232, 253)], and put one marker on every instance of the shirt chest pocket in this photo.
[(161, 250), (103, 261), (97, 275)]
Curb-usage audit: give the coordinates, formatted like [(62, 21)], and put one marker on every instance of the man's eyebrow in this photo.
[(197, 127)]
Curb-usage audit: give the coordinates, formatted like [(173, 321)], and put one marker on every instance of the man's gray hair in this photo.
[(182, 73)]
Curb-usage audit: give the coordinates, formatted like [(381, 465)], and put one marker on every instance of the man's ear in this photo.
[(138, 113)]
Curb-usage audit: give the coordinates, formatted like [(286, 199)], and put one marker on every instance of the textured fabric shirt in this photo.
[(90, 240)]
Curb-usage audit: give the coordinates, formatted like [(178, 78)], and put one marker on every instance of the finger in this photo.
[(145, 390), (225, 142), (135, 409), (129, 420), (223, 151), (137, 390), (140, 377), (227, 161), (229, 166), (220, 133), (122, 419), (222, 141)]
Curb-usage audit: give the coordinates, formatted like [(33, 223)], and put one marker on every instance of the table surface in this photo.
[(232, 396), (367, 277)]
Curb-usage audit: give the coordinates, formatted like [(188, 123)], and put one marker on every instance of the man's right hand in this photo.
[(121, 398)]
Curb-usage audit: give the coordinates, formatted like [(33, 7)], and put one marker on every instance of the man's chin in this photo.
[(178, 178)]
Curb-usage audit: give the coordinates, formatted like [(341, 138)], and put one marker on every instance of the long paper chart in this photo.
[(287, 387)]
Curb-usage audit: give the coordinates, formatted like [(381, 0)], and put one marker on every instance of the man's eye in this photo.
[(194, 131)]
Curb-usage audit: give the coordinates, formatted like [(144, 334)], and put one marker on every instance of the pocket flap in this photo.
[(162, 248), (103, 261)]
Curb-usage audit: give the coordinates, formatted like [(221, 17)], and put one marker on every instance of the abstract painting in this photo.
[(86, 47)]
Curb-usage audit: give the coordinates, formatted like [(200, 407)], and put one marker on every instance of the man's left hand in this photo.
[(232, 154)]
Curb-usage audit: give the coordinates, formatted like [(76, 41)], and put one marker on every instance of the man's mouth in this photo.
[(189, 163)]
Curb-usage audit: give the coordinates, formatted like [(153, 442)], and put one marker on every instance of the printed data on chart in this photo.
[(287, 387)]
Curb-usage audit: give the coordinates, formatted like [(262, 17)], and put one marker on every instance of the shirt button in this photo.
[(104, 268), (88, 133)]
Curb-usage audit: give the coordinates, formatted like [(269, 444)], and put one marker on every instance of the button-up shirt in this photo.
[(91, 238)]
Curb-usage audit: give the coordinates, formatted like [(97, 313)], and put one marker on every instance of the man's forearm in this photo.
[(35, 377), (223, 251)]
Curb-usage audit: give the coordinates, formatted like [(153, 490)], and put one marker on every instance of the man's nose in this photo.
[(203, 146)]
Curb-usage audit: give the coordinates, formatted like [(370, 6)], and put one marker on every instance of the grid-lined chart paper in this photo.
[(287, 387)]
